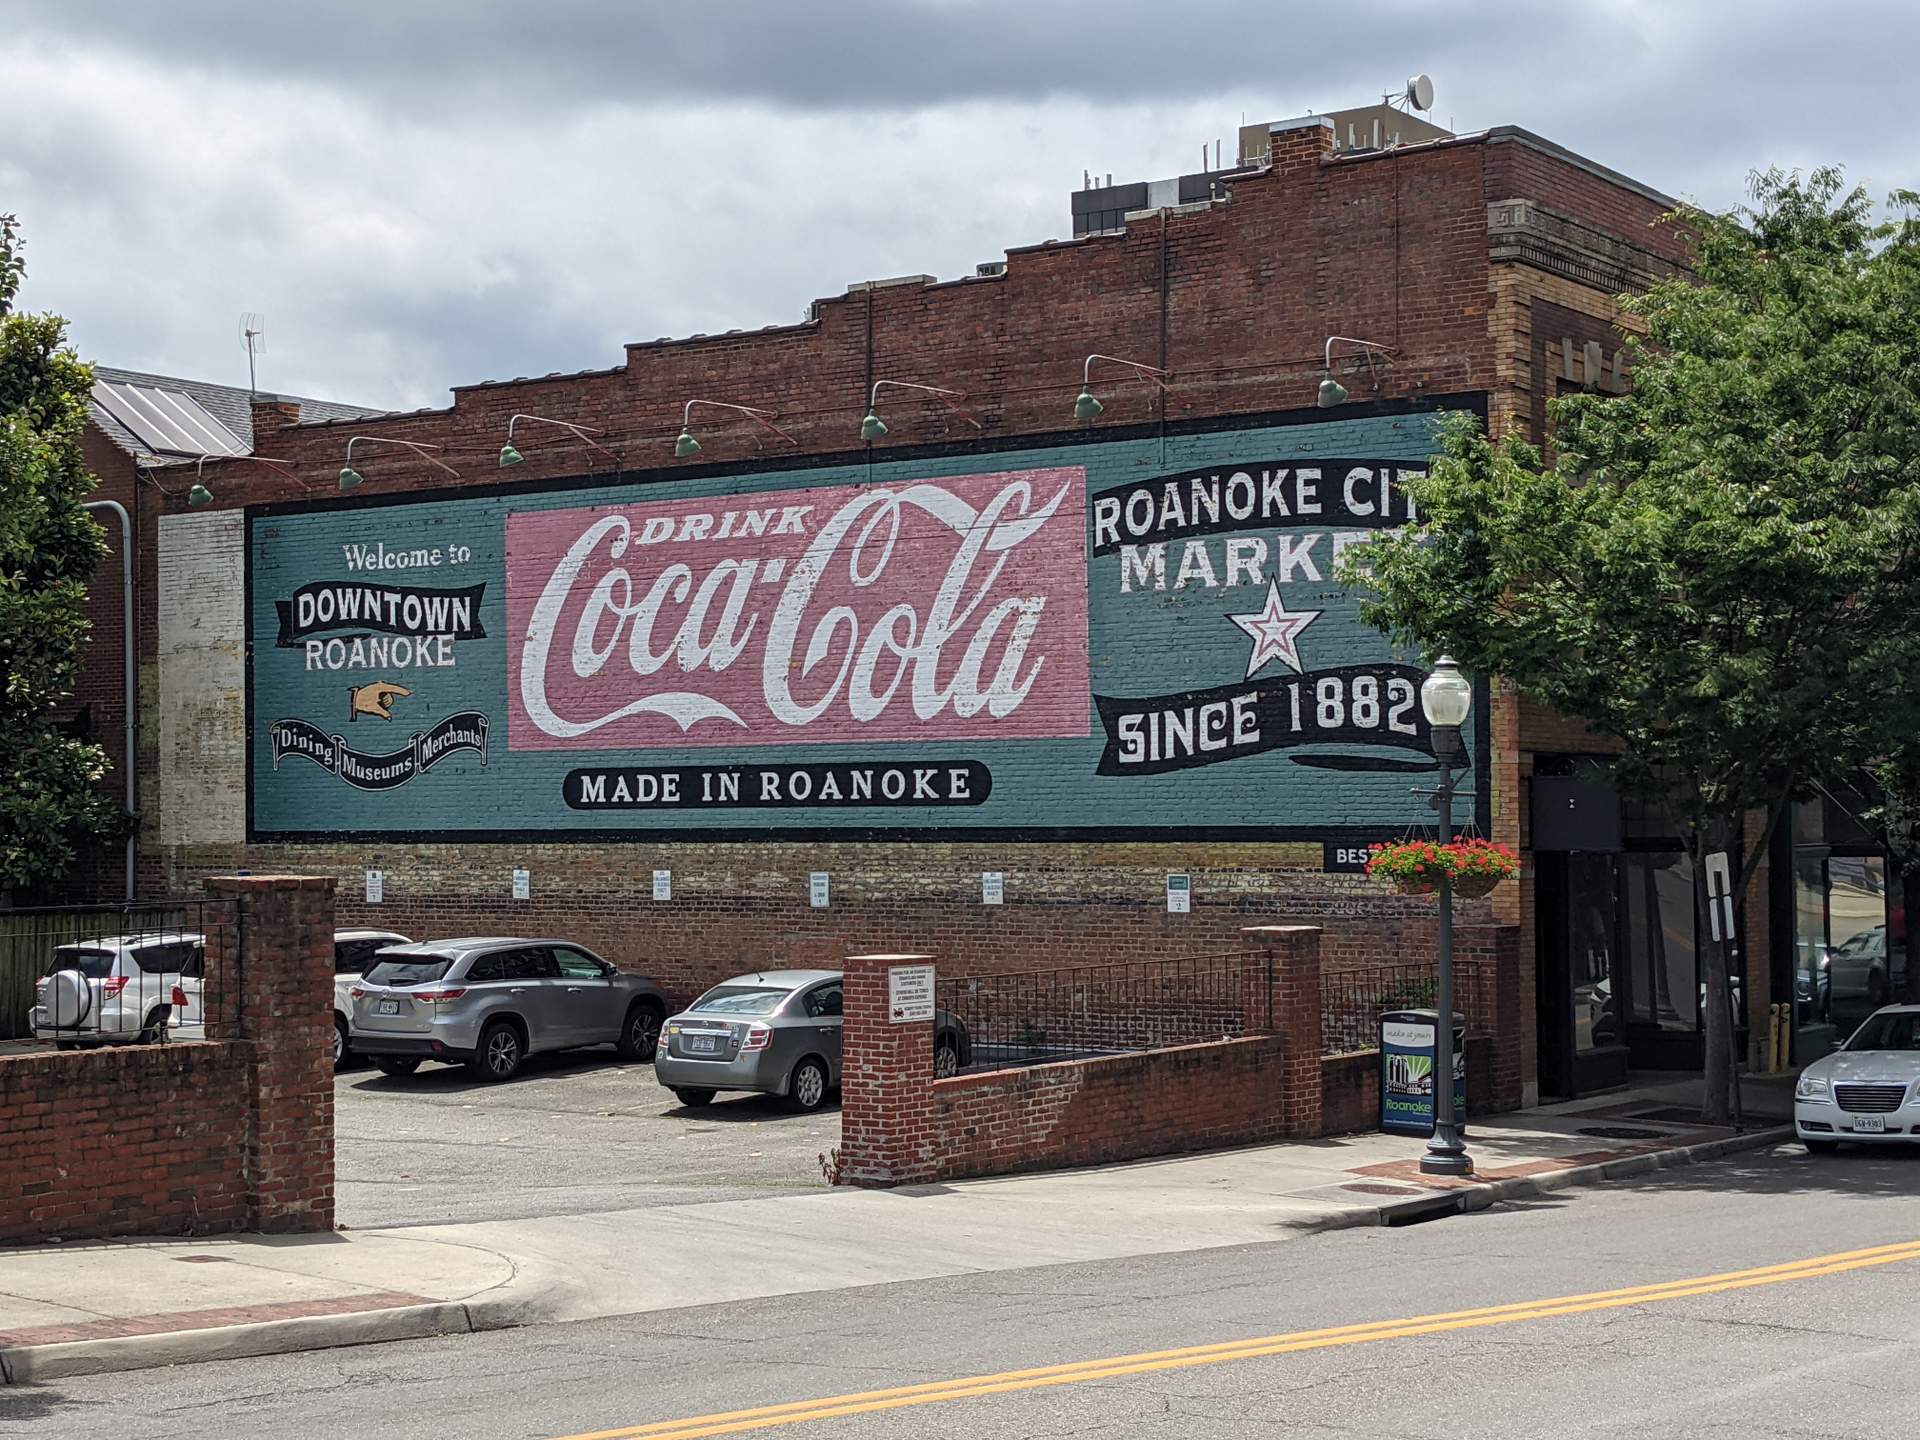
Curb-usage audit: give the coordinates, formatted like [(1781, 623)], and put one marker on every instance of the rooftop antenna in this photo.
[(1418, 95), (253, 335)]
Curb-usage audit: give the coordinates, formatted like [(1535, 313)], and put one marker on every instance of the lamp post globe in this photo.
[(1446, 695)]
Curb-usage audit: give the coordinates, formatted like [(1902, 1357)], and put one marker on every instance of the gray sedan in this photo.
[(775, 1031), (489, 1002)]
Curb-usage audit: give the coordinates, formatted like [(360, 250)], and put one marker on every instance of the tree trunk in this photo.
[(1717, 1073)]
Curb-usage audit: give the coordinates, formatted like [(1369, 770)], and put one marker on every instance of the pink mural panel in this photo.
[(948, 609)]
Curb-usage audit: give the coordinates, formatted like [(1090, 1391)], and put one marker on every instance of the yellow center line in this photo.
[(1074, 1372)]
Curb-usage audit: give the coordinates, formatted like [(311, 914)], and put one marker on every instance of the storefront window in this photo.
[(1859, 962), (1660, 940), (1596, 1012), (1810, 995)]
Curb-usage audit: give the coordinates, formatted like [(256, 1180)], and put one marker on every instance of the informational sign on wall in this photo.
[(909, 993), (1132, 638)]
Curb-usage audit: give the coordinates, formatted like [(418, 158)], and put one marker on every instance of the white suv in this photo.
[(121, 989), (353, 952)]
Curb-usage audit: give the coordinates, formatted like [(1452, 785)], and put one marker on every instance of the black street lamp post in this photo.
[(1445, 698)]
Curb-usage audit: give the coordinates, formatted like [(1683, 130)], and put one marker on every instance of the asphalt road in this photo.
[(573, 1133), (1798, 1353)]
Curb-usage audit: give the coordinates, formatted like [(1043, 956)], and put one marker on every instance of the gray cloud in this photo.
[(424, 194)]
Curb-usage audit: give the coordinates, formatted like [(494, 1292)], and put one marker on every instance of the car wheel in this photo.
[(640, 1038), (500, 1053), (1821, 1147), (694, 1099), (396, 1065), (808, 1087), (339, 1043), (946, 1058), (155, 1030)]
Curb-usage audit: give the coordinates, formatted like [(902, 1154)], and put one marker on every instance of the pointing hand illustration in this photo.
[(375, 699)]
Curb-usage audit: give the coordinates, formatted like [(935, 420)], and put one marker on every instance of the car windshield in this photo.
[(412, 970), (89, 960), (1889, 1030), (740, 1000)]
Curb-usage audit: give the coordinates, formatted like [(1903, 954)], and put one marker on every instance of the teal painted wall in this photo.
[(1302, 754)]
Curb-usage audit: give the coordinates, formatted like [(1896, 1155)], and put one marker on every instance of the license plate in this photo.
[(1869, 1124), (705, 1044), (387, 1007)]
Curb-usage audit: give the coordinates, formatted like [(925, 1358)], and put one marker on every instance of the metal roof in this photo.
[(229, 407)]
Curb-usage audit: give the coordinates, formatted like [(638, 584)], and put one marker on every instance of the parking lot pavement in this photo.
[(571, 1134)]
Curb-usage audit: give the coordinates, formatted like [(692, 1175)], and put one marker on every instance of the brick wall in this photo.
[(192, 1138), (142, 1139)]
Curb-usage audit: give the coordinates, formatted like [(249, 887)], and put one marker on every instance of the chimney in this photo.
[(272, 414)]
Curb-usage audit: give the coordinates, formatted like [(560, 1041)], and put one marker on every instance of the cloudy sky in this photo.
[(422, 193)]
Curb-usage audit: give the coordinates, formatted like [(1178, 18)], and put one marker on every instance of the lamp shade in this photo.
[(199, 495), (349, 477), (873, 427), (1446, 695), (1332, 393), (686, 445), (509, 455), (1087, 407)]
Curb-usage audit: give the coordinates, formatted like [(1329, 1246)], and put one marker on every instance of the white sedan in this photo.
[(1868, 1090)]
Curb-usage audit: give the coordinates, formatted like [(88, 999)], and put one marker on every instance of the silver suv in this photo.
[(121, 989), (490, 1002)]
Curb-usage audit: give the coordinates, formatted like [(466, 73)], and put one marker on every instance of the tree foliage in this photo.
[(1717, 570), (51, 799)]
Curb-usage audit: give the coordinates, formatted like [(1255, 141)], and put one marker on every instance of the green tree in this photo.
[(1712, 569), (51, 801)]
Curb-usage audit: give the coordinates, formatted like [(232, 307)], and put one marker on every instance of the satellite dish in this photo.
[(1420, 92)]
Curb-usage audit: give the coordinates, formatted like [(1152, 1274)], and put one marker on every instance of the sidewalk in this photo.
[(120, 1305)]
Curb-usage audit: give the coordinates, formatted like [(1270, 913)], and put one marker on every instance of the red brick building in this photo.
[(522, 786)]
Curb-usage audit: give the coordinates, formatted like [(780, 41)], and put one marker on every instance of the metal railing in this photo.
[(78, 975), (1073, 1012), (1351, 1001)]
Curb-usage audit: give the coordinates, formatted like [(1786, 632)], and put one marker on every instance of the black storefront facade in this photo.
[(1620, 988)]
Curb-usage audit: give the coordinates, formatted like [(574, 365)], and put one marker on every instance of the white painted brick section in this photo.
[(203, 679)]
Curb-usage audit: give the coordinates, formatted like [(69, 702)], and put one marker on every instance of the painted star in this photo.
[(1275, 631)]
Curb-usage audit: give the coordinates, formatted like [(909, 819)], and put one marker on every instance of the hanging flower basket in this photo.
[(1416, 866)]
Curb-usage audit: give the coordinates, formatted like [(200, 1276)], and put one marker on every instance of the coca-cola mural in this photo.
[(1120, 638)]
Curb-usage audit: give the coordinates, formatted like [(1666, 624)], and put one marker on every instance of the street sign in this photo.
[(909, 993), (817, 889), (522, 884), (1719, 896), (663, 884), (993, 887), (376, 887), (1179, 894)]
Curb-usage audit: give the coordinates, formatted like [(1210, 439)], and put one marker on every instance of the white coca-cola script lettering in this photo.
[(952, 608)]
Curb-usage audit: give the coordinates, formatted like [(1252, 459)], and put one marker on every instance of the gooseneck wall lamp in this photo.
[(199, 494), (510, 456), (350, 477), (1087, 407), (686, 446), (1445, 698), (873, 427), (1332, 392)]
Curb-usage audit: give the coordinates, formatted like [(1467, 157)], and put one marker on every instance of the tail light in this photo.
[(357, 993), (758, 1037), (453, 994), (113, 985), (179, 998)]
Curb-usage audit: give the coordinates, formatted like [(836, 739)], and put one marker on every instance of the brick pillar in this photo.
[(271, 414), (1300, 144), (270, 974), (1295, 952), (886, 1082)]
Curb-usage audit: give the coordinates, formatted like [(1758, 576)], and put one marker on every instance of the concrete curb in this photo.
[(1482, 1196), (28, 1364)]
